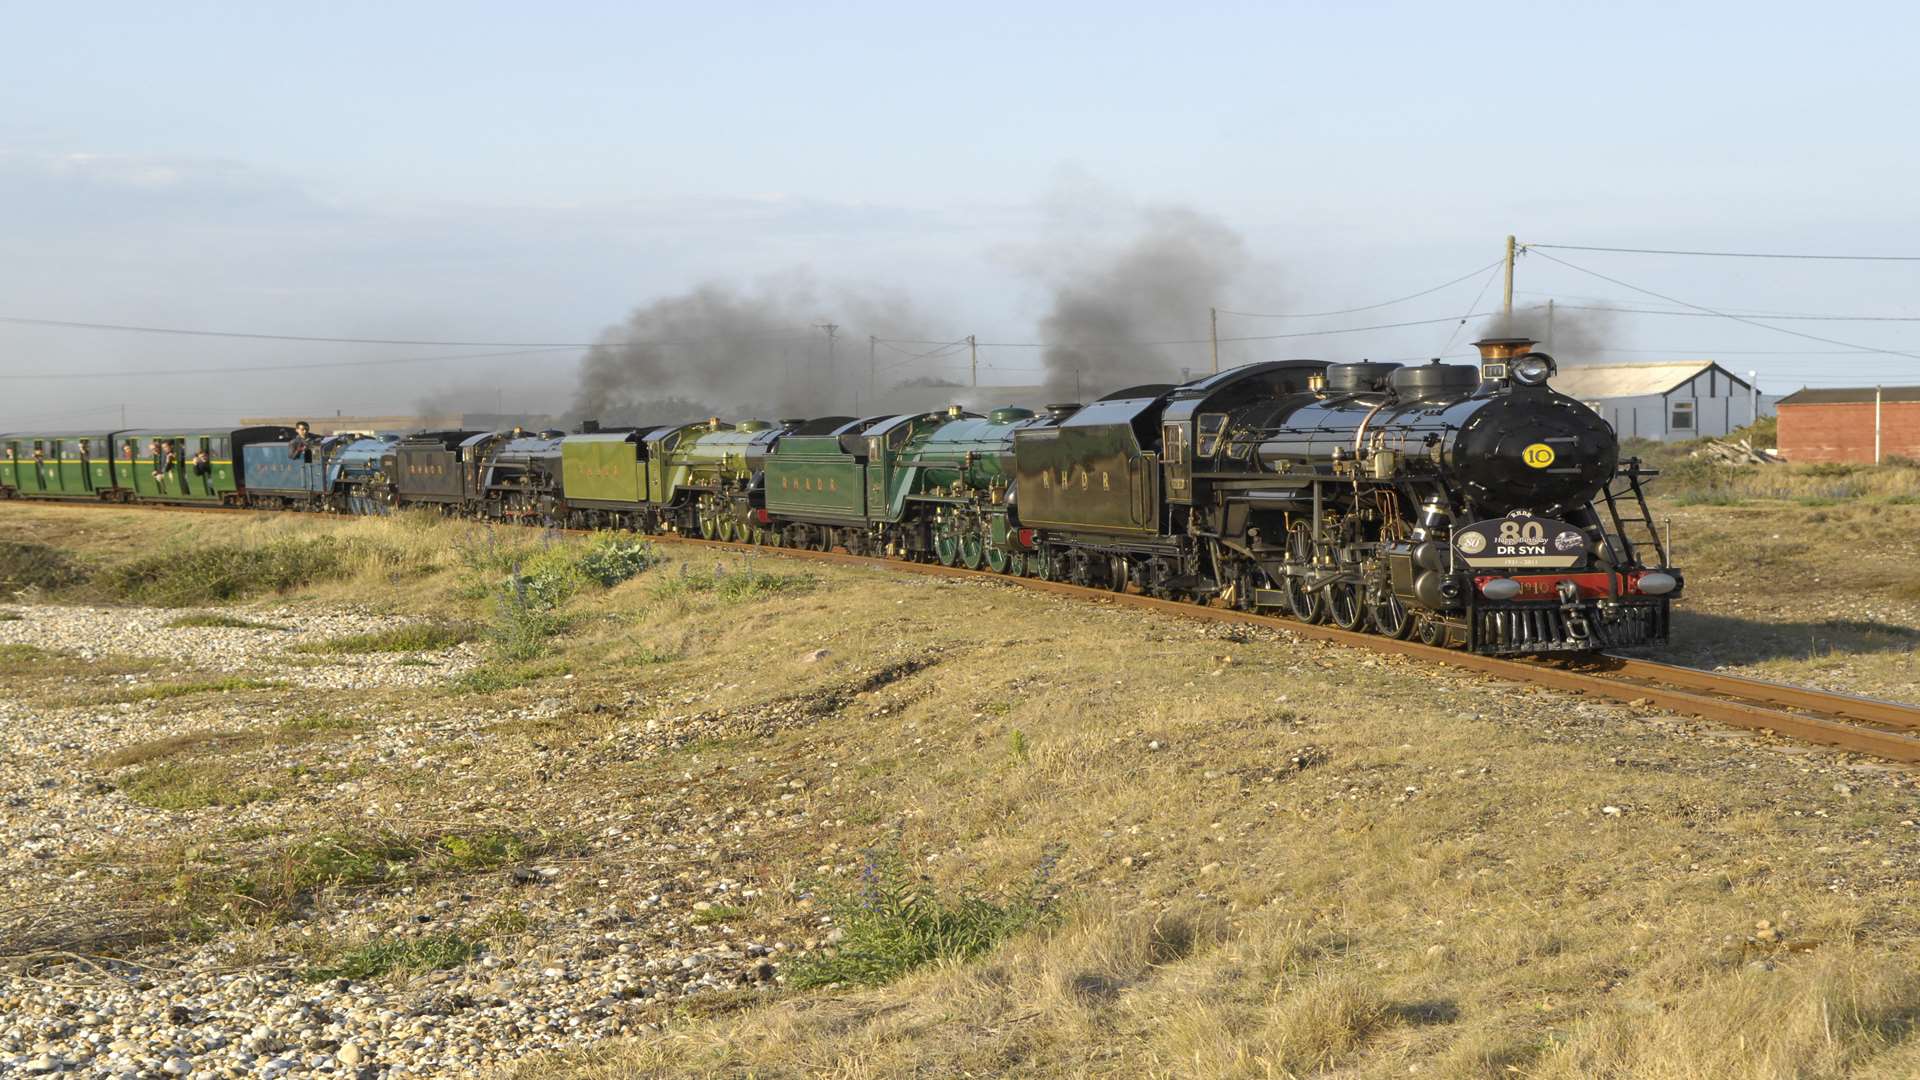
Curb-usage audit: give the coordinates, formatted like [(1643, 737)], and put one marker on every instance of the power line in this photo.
[(1744, 314), (1609, 303), (1730, 254), (1191, 341), (281, 368), (247, 335), (1725, 315), (1733, 352), (1469, 275), (1484, 286)]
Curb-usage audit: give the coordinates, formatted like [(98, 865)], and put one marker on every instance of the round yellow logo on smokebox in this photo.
[(1539, 455)]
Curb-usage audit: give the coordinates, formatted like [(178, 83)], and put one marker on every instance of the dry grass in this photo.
[(1828, 596), (1278, 858)]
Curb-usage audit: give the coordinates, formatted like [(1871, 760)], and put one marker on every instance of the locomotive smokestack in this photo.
[(1495, 353)]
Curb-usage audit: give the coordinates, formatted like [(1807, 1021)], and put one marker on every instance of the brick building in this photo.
[(1859, 424)]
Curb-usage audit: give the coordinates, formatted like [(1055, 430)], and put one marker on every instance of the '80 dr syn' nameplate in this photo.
[(1521, 541)]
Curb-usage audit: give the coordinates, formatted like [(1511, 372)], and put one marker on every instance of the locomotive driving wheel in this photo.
[(1309, 605), (972, 548), (1390, 616), (998, 559), (1346, 605), (945, 544)]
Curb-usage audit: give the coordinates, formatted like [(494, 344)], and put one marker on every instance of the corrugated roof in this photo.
[(1850, 395), (1591, 382)]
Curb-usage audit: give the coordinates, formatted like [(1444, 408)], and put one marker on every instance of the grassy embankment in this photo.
[(1264, 857)]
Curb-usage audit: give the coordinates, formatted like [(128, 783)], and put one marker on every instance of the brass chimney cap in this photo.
[(1503, 348)]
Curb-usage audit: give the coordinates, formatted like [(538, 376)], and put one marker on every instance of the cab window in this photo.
[(1173, 438), (1212, 426)]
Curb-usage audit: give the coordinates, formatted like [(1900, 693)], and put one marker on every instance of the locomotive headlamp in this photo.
[(1533, 369)]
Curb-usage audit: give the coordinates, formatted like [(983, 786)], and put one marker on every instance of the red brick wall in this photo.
[(1845, 432)]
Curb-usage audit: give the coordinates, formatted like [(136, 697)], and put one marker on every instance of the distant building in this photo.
[(1676, 399), (1867, 424)]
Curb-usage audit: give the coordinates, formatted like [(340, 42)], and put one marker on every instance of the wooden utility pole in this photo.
[(1549, 325), (1508, 305), (1213, 337), (973, 362), (871, 370), (1877, 395), (831, 329)]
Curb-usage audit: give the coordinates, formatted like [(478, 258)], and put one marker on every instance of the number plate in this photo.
[(1521, 541)]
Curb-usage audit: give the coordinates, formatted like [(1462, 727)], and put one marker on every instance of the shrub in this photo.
[(27, 565), (191, 786), (896, 923), (216, 620), (384, 955), (410, 637), (527, 603), (611, 558), (215, 573), (524, 618), (225, 684), (747, 582)]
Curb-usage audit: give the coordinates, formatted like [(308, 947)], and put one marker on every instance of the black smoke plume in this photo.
[(722, 351), (1572, 336), (1158, 288)]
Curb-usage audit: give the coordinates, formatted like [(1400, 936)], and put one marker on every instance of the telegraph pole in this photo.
[(871, 369), (1549, 324), (831, 329), (1877, 395), (973, 361), (1213, 337), (1508, 305)]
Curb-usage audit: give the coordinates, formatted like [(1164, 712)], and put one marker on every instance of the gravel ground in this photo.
[(95, 633), (595, 944)]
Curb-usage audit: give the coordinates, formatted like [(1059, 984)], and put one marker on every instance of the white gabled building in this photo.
[(1669, 400)]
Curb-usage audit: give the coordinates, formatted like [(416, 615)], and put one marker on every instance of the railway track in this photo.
[(1883, 729)]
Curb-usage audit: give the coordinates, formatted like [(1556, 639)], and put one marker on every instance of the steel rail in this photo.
[(1816, 716)]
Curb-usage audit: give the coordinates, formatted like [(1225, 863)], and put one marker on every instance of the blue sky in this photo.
[(522, 172)]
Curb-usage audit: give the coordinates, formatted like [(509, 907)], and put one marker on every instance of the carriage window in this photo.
[(1212, 426), (1683, 416)]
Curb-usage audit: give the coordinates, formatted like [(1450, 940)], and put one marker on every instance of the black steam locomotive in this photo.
[(1474, 507)]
